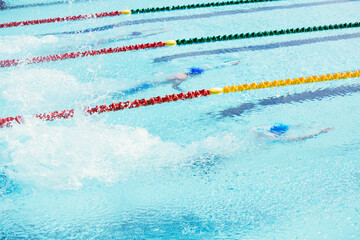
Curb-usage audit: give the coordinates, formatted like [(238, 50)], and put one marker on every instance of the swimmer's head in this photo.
[(195, 71), (279, 129), (135, 33)]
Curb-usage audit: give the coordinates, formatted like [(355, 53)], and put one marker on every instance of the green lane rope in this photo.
[(266, 33), (200, 5), (127, 11)]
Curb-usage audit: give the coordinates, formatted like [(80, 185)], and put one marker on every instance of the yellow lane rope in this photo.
[(283, 82)]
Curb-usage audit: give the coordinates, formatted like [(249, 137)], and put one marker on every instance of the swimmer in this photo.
[(92, 42), (132, 35), (177, 79), (278, 132)]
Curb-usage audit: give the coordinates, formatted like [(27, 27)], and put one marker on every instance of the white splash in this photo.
[(64, 157), (41, 89), (17, 44)]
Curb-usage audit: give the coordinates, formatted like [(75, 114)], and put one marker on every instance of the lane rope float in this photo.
[(126, 11), (57, 57), (113, 107)]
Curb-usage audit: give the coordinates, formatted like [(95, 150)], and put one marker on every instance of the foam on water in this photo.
[(141, 184), (65, 156), (22, 44), (33, 90)]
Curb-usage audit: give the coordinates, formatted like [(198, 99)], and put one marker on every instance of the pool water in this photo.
[(191, 169)]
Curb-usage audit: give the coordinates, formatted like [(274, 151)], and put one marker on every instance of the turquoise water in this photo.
[(190, 169)]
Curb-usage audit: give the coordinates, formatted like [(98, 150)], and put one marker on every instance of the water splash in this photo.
[(22, 44), (65, 156), (34, 90)]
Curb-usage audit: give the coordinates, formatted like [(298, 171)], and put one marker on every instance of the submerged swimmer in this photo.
[(93, 42), (132, 35), (177, 79), (278, 132)]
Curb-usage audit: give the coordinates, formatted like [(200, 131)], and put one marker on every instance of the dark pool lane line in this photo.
[(4, 7), (261, 47), (200, 16), (292, 98)]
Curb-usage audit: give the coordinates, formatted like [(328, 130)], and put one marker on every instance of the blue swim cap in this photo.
[(135, 33), (195, 71), (279, 129)]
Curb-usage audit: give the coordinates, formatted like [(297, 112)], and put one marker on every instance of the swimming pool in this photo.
[(189, 169)]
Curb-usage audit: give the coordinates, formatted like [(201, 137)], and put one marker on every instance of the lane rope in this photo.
[(51, 116), (126, 11), (267, 33), (57, 57), (113, 107), (205, 15)]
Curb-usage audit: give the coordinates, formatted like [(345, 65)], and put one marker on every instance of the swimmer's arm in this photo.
[(139, 36), (151, 34), (176, 86), (267, 135), (325, 130), (222, 65), (126, 37)]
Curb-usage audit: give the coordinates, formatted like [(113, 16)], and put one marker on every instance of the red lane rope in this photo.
[(57, 57), (59, 19), (51, 116)]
